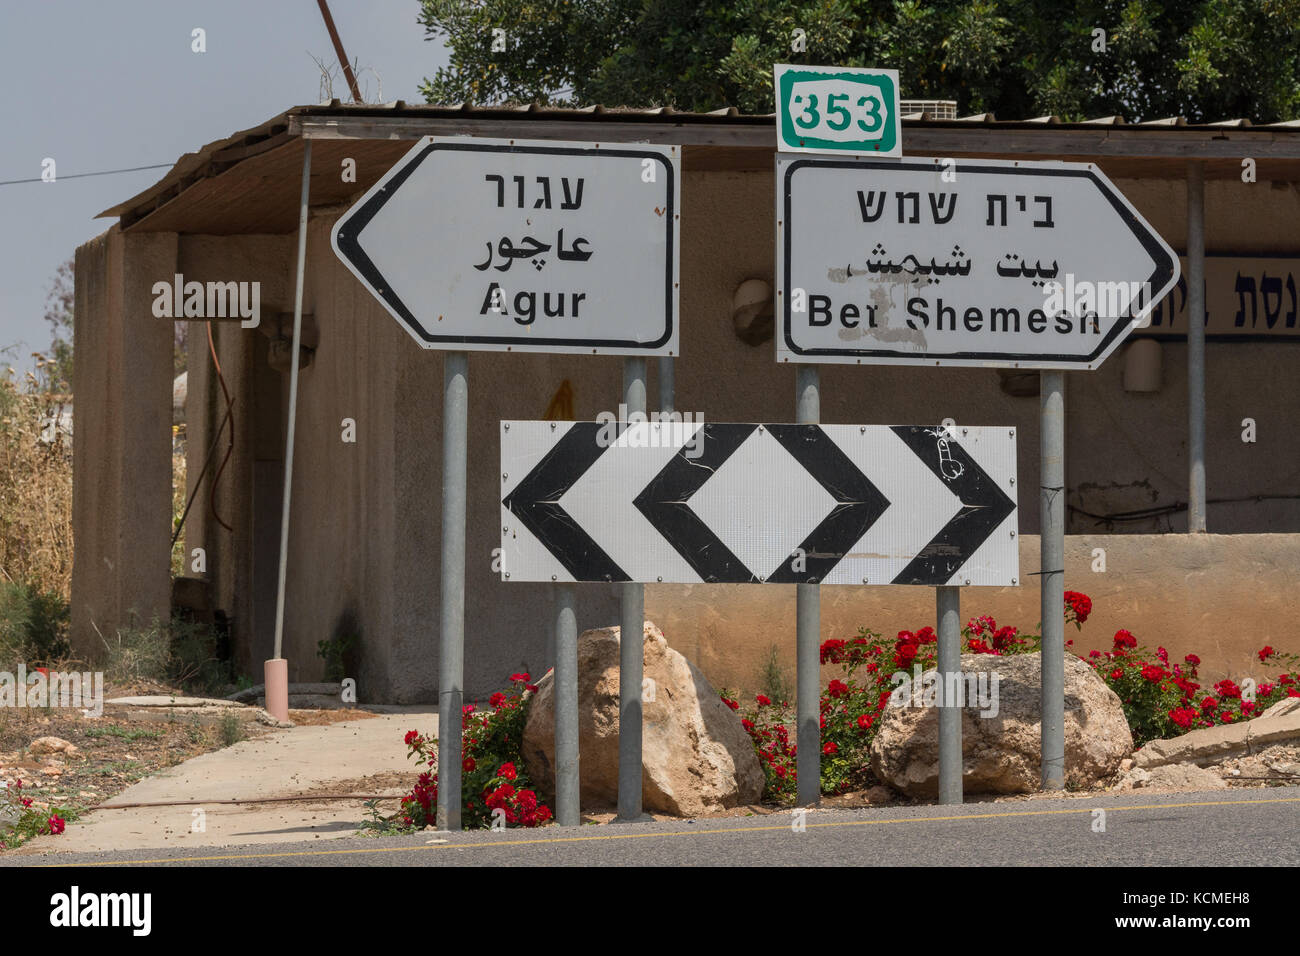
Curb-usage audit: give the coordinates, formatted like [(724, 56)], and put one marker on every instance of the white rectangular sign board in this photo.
[(970, 262), (528, 246), (690, 502)]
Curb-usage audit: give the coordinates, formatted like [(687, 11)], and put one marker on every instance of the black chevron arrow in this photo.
[(535, 502), (984, 506), (664, 502), (858, 503)]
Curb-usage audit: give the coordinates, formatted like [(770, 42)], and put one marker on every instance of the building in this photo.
[(363, 553)]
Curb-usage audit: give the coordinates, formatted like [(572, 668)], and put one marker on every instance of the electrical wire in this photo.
[(102, 172)]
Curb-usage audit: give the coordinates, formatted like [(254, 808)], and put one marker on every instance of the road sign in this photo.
[(832, 109), (945, 262), (513, 245), (689, 502)]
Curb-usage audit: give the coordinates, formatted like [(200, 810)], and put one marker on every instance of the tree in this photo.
[(1143, 59), (56, 365)]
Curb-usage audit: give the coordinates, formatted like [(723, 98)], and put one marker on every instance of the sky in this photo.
[(111, 84)]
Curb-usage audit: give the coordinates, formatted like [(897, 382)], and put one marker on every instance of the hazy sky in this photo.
[(110, 84)]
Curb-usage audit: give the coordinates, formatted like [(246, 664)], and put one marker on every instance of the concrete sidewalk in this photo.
[(361, 756)]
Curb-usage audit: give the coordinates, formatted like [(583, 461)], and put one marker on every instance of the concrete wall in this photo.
[(366, 516), (1221, 597), (121, 500)]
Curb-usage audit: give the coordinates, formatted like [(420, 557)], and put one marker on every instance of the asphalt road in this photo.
[(1241, 827)]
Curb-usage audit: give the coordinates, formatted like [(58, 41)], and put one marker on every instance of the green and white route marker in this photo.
[(828, 109)]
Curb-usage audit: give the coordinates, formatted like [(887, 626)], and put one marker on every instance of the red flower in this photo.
[(1265, 653), (926, 635), (733, 704), (1094, 653), (830, 748), (531, 688), (412, 736), (1182, 716), (1117, 673), (747, 724), (762, 700), (523, 677), (1226, 688), (832, 650), (497, 700), (55, 824), (1124, 639), (837, 689), (1152, 673), (864, 721), (1080, 604), (1193, 660), (1226, 717), (508, 771), (906, 651), (468, 764)]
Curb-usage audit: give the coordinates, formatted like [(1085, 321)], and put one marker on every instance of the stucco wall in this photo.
[(121, 502), (1221, 597)]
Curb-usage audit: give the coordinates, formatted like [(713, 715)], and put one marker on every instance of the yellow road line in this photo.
[(670, 833)]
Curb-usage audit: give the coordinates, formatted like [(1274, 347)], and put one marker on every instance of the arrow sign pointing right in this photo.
[(980, 263), (743, 503)]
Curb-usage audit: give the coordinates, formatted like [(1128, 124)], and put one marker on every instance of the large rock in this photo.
[(1277, 725), (1001, 753), (1174, 776), (696, 756)]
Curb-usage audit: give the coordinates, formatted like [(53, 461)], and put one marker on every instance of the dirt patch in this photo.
[(319, 718)]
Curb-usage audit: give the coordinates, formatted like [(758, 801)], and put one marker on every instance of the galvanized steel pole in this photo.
[(1196, 347), (1052, 543), (567, 812), (293, 397), (948, 607), (631, 661), (667, 384), (808, 614), (451, 643)]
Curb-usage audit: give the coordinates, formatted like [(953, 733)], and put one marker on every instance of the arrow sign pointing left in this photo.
[(689, 503)]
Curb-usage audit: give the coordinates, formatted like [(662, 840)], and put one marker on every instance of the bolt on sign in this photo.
[(516, 245), (823, 109), (976, 263), (678, 502)]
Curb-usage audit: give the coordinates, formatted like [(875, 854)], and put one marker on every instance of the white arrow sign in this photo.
[(977, 262), (513, 245), (690, 502)]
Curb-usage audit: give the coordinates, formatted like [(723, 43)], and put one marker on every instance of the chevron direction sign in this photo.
[(690, 503)]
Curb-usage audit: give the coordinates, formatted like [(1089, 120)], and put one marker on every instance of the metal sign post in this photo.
[(631, 658), (1052, 579), (451, 637), (948, 612), (527, 246), (808, 616)]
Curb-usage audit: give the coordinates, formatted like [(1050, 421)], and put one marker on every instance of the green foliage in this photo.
[(113, 730), (185, 652), (21, 818), (232, 731), (1207, 60), (337, 653), (33, 625), (773, 679)]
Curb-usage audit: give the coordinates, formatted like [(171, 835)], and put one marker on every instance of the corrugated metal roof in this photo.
[(248, 182)]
